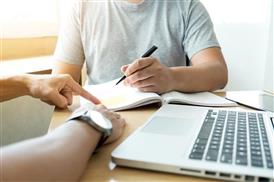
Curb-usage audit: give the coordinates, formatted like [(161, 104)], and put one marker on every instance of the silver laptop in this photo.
[(23, 118), (208, 142)]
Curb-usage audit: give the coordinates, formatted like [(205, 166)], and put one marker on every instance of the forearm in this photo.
[(202, 77), (63, 68), (61, 155), (13, 86)]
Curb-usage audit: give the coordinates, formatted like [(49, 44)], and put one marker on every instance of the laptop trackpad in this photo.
[(169, 126)]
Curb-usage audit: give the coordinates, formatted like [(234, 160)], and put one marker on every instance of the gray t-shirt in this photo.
[(108, 34)]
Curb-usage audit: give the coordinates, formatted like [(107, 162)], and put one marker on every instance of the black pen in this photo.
[(147, 54)]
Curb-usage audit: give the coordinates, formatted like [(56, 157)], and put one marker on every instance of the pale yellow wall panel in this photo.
[(27, 47)]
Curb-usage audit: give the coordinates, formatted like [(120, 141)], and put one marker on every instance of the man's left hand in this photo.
[(148, 75)]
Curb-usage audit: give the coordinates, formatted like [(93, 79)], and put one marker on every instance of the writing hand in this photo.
[(148, 75)]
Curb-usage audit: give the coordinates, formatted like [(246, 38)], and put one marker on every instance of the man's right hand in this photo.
[(57, 89)]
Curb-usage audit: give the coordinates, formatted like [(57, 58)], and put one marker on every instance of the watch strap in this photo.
[(101, 142)]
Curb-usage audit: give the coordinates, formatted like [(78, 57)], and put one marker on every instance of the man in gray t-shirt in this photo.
[(112, 35)]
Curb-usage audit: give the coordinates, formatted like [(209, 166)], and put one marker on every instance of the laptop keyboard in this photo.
[(233, 137)]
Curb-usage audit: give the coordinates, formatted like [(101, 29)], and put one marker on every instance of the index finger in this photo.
[(82, 92), (89, 96), (138, 65)]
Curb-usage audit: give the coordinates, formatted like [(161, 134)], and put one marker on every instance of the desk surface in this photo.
[(98, 166)]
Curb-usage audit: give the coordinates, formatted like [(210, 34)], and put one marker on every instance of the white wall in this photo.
[(269, 66), (29, 18), (243, 29)]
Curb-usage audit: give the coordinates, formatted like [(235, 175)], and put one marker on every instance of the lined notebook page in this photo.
[(200, 99), (120, 97)]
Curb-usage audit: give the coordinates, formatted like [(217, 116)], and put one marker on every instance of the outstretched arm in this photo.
[(53, 89), (59, 156), (12, 87)]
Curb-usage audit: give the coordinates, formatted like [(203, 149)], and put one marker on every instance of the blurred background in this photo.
[(29, 30)]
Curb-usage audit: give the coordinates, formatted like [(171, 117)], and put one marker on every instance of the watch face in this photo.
[(100, 120)]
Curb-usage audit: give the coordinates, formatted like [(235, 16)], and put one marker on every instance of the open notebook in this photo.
[(120, 97)]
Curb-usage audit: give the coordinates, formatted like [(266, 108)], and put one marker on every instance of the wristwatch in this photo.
[(96, 120)]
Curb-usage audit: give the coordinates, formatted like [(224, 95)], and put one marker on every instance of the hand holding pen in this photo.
[(148, 74), (147, 54)]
